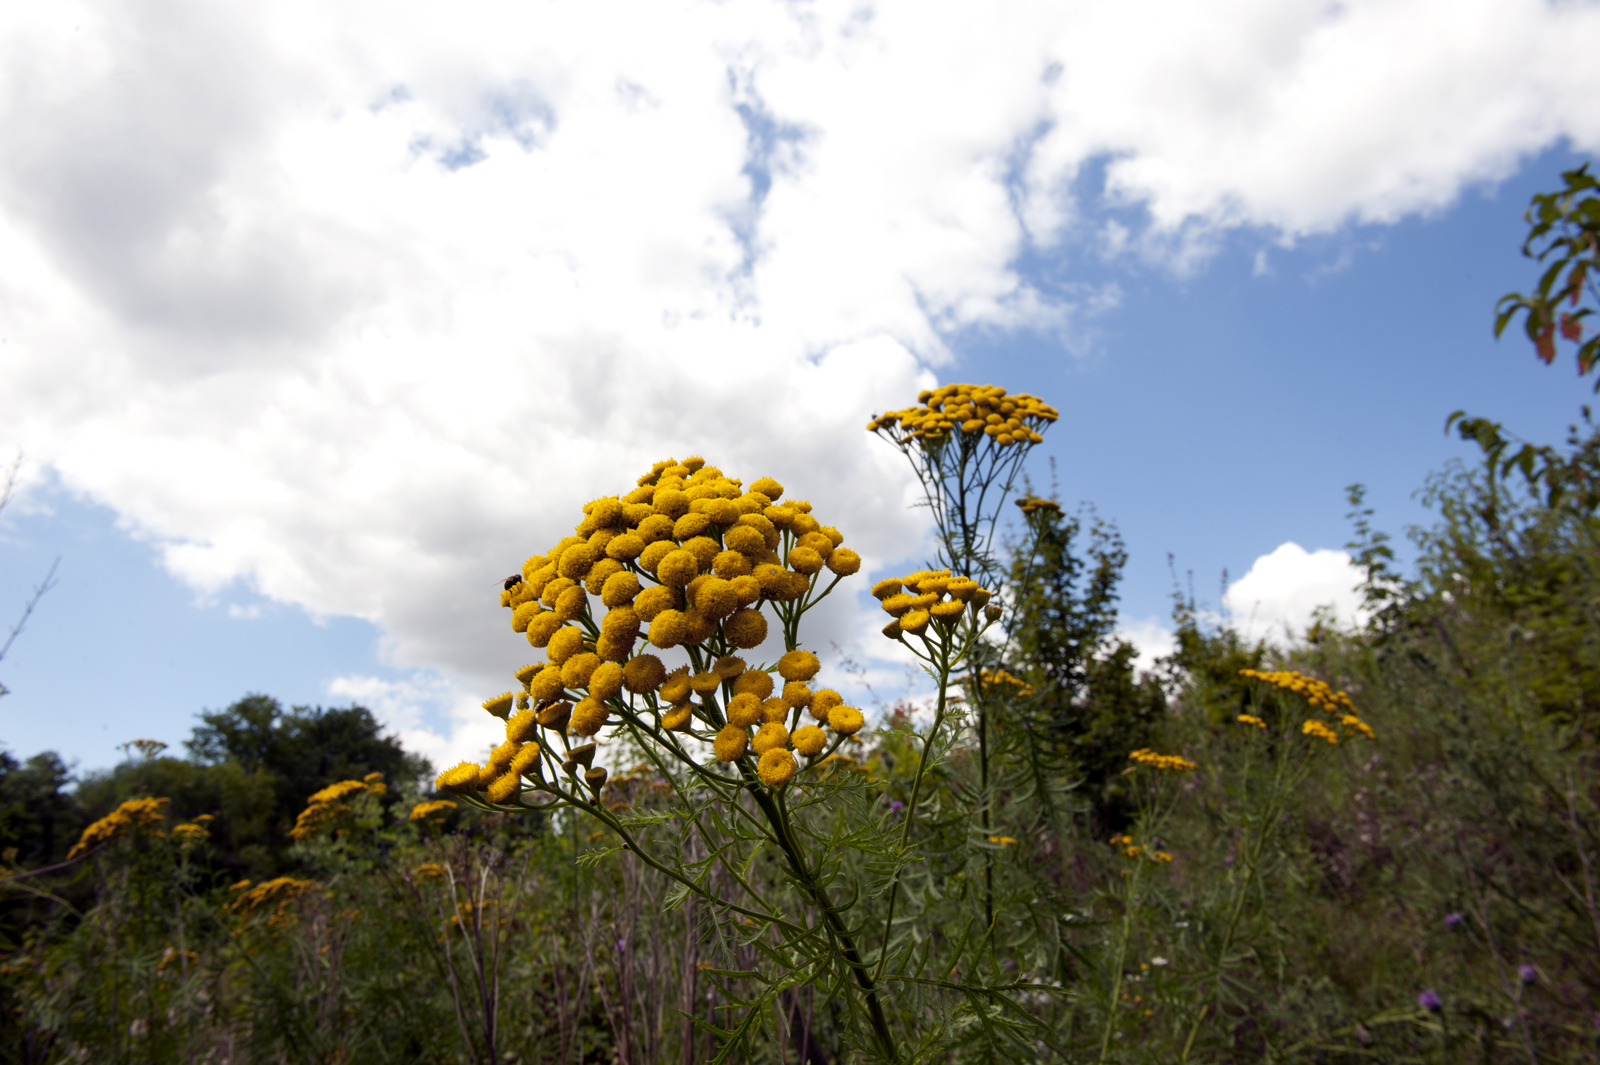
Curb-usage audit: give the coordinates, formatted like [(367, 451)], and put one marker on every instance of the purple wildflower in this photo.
[(1528, 973), (1430, 1001), (1451, 920), (896, 806)]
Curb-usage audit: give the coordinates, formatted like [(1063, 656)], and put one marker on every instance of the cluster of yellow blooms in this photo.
[(192, 833), (424, 810), (283, 891), (997, 677), (325, 805), (1310, 689), (1251, 719), (972, 410), (1321, 697), (687, 558), (130, 816), (1029, 504), (1130, 849), (928, 597), (1174, 762)]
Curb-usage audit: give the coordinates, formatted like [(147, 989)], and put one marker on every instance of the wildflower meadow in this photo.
[(1374, 841)]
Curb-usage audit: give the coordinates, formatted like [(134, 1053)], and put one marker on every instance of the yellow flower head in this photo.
[(576, 671), (809, 740), (678, 718), (643, 674), (678, 568), (915, 622), (588, 717), (796, 694), (844, 562), (845, 720), (521, 725), (461, 778), (777, 767), (605, 681), (730, 743), (824, 701), (546, 684), (744, 710), (767, 487), (745, 628), (1251, 719), (500, 705), (704, 683), (676, 687), (729, 667), (769, 736), (652, 601), (668, 629), (526, 761), (798, 665), (1313, 691), (756, 682), (564, 644)]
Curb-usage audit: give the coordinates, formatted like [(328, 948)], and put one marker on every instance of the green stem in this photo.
[(830, 917), (1122, 954), (916, 792)]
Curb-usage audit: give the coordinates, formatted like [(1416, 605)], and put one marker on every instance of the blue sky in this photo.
[(314, 327)]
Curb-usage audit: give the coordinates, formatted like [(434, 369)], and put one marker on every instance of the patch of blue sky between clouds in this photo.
[(1219, 409), (119, 649)]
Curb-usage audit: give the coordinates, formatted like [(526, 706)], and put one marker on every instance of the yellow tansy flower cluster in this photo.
[(326, 805), (1130, 849), (1032, 504), (973, 411), (688, 558), (1316, 728), (424, 810), (999, 677), (281, 891), (927, 597), (128, 817), (1322, 697), (1310, 689), (190, 834), (1176, 763)]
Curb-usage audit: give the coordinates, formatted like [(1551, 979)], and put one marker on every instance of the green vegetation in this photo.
[(1379, 843)]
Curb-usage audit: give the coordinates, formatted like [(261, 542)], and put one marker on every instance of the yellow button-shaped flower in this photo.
[(777, 767), (730, 743)]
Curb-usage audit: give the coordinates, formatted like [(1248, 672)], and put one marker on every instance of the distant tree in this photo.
[(1089, 707)]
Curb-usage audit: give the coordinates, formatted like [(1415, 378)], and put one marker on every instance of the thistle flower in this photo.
[(776, 767)]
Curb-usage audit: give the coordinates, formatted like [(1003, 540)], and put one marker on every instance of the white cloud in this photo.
[(1153, 638), (1275, 600), (359, 302)]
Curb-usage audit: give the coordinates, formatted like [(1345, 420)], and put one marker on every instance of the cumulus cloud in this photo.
[(1276, 599), (358, 302)]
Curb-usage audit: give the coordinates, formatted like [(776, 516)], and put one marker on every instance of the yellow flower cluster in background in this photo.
[(1032, 504), (973, 411), (424, 810), (688, 558), (326, 805), (126, 818), (281, 892), (1251, 719), (1000, 678), (1176, 763), (1321, 696), (1130, 849), (927, 597), (1312, 690)]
